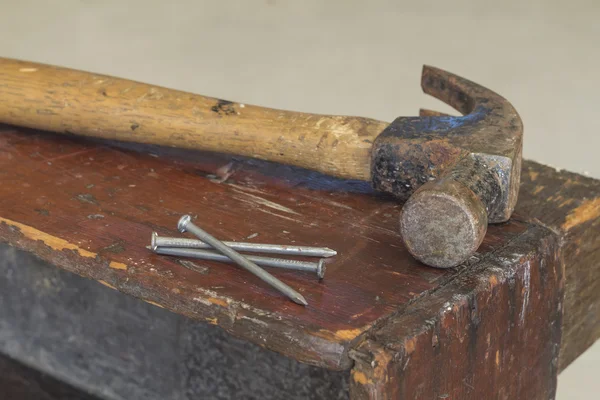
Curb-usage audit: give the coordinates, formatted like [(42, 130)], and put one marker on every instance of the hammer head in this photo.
[(456, 174)]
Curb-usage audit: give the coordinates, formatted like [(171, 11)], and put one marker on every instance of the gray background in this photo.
[(346, 57)]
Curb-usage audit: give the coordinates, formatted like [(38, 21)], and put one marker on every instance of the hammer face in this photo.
[(443, 223)]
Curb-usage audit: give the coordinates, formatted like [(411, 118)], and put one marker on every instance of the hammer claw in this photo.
[(424, 112)]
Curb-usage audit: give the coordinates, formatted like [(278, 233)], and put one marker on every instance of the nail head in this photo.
[(183, 221), (153, 245)]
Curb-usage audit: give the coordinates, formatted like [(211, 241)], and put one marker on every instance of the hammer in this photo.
[(455, 174)]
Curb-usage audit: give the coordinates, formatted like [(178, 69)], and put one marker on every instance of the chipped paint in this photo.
[(106, 284), (410, 345), (360, 377), (497, 358), (56, 243), (256, 321), (220, 302), (343, 335), (525, 291), (53, 242), (533, 175), (382, 361), (212, 321), (117, 265), (588, 210), (153, 303)]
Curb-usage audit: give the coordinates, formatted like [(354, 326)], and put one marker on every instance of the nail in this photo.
[(308, 251), (307, 266), (185, 224)]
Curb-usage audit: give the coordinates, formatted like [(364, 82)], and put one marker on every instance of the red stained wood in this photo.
[(90, 208), (492, 333), (569, 204)]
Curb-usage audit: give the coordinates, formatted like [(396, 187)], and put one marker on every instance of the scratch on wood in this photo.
[(566, 203), (343, 335), (246, 188), (526, 289), (267, 203), (256, 321), (588, 210), (279, 215), (334, 203), (538, 189)]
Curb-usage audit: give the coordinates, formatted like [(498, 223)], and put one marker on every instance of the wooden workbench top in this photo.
[(90, 207)]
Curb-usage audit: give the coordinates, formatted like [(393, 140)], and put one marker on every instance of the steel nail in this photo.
[(184, 243), (297, 265), (185, 224)]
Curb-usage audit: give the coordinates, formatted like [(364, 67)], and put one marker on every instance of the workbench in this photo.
[(83, 300)]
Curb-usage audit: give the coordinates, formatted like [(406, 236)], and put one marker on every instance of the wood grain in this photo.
[(569, 204), (66, 101), (492, 333)]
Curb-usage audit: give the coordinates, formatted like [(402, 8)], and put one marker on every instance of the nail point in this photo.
[(300, 300), (330, 252)]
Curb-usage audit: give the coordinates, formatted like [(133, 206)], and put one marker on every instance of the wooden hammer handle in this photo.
[(75, 102)]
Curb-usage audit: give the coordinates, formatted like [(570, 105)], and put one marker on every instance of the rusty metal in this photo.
[(456, 174)]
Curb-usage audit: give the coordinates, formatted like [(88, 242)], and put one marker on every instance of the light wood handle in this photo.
[(75, 102)]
